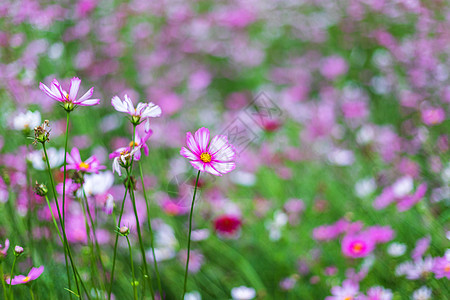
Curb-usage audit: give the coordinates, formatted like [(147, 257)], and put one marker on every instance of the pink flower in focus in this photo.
[(357, 246), (348, 291), (74, 162), (4, 249), (433, 116), (69, 99), (141, 112), (21, 279), (215, 157)]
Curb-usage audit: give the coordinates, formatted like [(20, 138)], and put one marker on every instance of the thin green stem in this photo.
[(141, 244), (31, 293), (2, 277), (150, 230), (54, 219), (12, 276), (97, 247), (115, 243), (132, 269), (189, 237), (65, 173)]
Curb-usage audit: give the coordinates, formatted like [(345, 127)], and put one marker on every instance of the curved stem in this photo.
[(150, 230), (65, 174), (132, 269), (12, 276), (189, 238), (115, 243), (54, 219)]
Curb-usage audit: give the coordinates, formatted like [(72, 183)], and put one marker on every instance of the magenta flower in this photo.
[(74, 162), (377, 293), (215, 157), (441, 266), (348, 291), (356, 246), (139, 113), (69, 99), (21, 279), (4, 249), (433, 116)]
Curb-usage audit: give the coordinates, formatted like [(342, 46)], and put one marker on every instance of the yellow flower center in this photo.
[(133, 143), (447, 268), (205, 157), (357, 247), (84, 165), (348, 298), (26, 279)]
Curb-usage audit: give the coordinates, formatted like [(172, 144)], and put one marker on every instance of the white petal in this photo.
[(202, 139), (118, 104), (74, 87)]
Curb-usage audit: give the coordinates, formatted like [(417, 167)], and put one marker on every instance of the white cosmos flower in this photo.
[(28, 120), (97, 184), (243, 293)]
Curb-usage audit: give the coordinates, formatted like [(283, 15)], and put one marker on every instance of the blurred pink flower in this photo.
[(433, 116), (355, 109), (357, 245), (4, 249), (441, 267), (21, 279), (348, 291), (333, 66), (74, 162), (227, 226), (377, 293), (215, 157), (421, 247), (196, 260), (69, 99), (410, 200)]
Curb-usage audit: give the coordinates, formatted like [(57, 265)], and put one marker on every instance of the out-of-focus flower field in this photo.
[(335, 167)]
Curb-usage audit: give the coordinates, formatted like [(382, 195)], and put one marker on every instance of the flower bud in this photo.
[(41, 133), (18, 250), (124, 230), (40, 189)]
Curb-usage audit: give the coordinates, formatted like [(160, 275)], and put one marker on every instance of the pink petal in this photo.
[(75, 153), (87, 95), (224, 167), (202, 139), (36, 272), (49, 92), (89, 102), (210, 169), (188, 154), (198, 165), (74, 87), (57, 87), (192, 144)]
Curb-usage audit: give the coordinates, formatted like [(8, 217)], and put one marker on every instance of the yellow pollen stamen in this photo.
[(357, 247), (83, 165), (26, 279), (135, 144), (447, 268), (348, 298), (205, 157)]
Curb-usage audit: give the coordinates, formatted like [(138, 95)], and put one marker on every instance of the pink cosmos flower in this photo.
[(380, 234), (21, 279), (377, 293), (356, 246), (227, 226), (433, 116), (69, 99), (139, 113), (421, 247), (123, 157), (4, 249), (441, 267), (215, 157), (410, 200), (348, 291), (74, 162)]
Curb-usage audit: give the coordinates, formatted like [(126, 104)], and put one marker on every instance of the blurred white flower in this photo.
[(193, 296), (279, 221), (244, 178), (423, 293), (243, 293), (365, 187), (97, 184), (341, 157), (165, 243), (365, 135), (37, 158), (27, 121), (403, 186), (396, 249)]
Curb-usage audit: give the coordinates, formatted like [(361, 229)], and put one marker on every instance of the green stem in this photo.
[(132, 269), (189, 237), (97, 247), (65, 244), (31, 293), (150, 230), (65, 173), (12, 276), (115, 243), (141, 244), (2, 275), (54, 219)]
